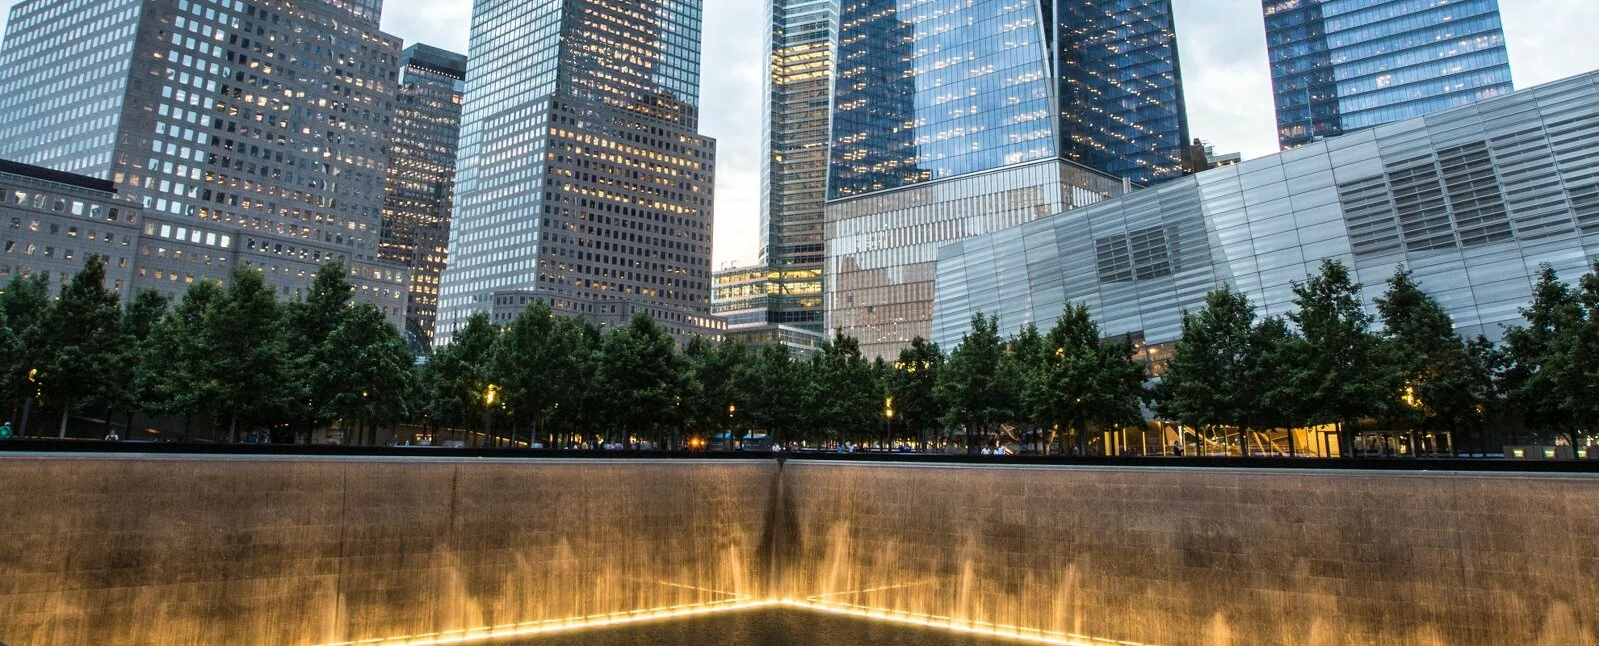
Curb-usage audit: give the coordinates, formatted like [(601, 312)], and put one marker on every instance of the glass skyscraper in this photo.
[(421, 181), (938, 89), (583, 178), (252, 132), (1342, 65), (955, 118)]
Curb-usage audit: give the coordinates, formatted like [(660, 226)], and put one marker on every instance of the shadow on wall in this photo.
[(334, 551)]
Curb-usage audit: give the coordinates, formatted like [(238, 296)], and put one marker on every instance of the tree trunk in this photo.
[(1290, 442), (128, 424), (1346, 441), (1243, 441), (233, 427), (66, 413)]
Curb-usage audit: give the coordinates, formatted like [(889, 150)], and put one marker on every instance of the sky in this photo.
[(1221, 44)]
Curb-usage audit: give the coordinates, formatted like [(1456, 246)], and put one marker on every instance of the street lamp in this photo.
[(489, 395), (888, 424)]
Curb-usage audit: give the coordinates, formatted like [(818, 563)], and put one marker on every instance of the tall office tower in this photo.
[(421, 183), (956, 119), (799, 89), (583, 180), (251, 131), (1342, 65)]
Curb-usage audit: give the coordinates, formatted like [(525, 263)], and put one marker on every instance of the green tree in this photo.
[(1537, 377), (371, 367), (139, 320), (1443, 381), (244, 375), (307, 324), (1024, 360), (1205, 385), (639, 367), (22, 304), (174, 359), (911, 382), (539, 364), (772, 384), (456, 376), (712, 384), (978, 394), (1083, 381), (848, 400), (1273, 400), (1342, 376), (78, 341)]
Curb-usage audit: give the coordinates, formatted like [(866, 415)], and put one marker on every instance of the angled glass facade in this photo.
[(420, 189), (1472, 199), (938, 89), (583, 176), (1341, 65)]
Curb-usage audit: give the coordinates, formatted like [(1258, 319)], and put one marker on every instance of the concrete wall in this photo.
[(300, 550), (112, 550), (1205, 556)]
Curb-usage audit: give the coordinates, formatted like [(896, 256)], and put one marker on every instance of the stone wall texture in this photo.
[(123, 550), (302, 550), (1204, 556)]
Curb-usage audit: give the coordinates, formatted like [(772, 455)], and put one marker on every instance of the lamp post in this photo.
[(489, 395), (888, 424)]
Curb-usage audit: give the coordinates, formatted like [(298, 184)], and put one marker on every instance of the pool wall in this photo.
[(320, 550)]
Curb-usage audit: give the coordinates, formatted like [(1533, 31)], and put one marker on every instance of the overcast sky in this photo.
[(1222, 45)]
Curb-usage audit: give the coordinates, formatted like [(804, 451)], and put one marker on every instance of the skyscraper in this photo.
[(956, 119), (583, 177), (1342, 65), (421, 182), (252, 131)]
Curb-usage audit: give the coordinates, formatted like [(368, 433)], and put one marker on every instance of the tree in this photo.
[(23, 303), (712, 394), (1273, 400), (244, 376), (1538, 374), (456, 376), (1083, 380), (1024, 360), (1342, 376), (848, 400), (78, 341), (639, 367), (139, 320), (1443, 382), (911, 382), (307, 324), (369, 364), (978, 394), (1204, 384), (772, 383), (175, 357)]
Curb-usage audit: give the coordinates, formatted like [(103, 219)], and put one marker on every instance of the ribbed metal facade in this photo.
[(1472, 199)]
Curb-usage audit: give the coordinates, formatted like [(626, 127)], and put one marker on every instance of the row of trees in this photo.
[(236, 358)]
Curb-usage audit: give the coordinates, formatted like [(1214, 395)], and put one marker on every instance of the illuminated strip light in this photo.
[(938, 622), (571, 624), (568, 624)]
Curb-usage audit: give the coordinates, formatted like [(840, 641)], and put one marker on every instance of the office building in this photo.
[(957, 119), (251, 132), (1343, 65), (421, 182), (582, 173), (745, 298), (1471, 199), (780, 300), (53, 222)]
